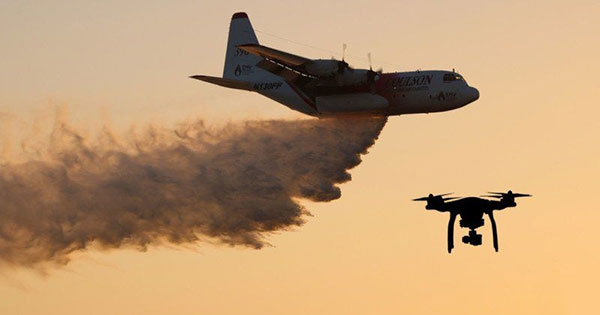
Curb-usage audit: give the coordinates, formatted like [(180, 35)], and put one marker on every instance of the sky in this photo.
[(535, 130)]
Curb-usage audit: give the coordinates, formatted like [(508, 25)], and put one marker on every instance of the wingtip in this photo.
[(239, 15)]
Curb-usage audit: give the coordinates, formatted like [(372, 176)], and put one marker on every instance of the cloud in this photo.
[(233, 185)]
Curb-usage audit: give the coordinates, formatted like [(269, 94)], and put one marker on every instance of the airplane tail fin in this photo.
[(239, 64)]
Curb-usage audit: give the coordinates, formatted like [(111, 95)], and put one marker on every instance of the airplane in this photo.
[(471, 211), (325, 87)]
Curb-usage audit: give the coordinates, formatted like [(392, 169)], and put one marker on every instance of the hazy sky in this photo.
[(535, 129)]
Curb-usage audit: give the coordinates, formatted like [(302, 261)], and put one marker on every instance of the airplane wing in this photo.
[(278, 56), (307, 72), (288, 66)]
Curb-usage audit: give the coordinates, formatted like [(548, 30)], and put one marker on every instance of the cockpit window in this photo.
[(449, 77)]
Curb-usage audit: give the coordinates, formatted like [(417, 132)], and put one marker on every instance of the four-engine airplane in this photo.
[(321, 87), (471, 211)]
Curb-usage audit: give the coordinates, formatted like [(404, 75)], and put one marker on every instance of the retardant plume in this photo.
[(232, 185)]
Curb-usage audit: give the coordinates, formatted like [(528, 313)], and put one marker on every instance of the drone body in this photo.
[(471, 211)]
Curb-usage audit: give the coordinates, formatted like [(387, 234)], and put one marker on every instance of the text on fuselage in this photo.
[(267, 86), (409, 81)]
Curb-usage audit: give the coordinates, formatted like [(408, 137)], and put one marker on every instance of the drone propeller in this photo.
[(491, 196), (431, 196), (499, 195)]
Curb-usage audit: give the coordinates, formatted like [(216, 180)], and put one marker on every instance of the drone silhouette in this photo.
[(471, 211)]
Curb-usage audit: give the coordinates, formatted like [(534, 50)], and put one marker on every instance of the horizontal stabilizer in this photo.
[(234, 84)]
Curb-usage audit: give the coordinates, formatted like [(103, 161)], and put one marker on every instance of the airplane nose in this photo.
[(471, 94), (474, 93)]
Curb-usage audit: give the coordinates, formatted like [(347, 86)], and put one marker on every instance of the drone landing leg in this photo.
[(494, 230), (451, 232)]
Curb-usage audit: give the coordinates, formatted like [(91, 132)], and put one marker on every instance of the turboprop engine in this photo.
[(325, 67), (341, 72), (356, 77)]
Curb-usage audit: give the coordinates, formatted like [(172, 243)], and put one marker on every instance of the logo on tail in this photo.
[(243, 70)]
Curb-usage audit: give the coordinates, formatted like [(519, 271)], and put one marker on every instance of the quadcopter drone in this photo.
[(471, 210)]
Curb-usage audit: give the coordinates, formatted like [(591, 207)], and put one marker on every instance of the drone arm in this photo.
[(451, 231), (494, 230), (437, 208)]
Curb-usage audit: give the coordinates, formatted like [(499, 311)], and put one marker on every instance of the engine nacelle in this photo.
[(352, 77), (323, 67)]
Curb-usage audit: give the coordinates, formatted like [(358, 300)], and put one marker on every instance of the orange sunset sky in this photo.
[(535, 129)]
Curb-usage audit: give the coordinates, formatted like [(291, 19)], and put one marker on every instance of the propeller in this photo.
[(373, 76), (379, 70), (491, 196), (421, 199), (342, 64), (431, 197), (500, 195)]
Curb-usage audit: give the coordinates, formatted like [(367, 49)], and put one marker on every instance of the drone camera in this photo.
[(473, 238)]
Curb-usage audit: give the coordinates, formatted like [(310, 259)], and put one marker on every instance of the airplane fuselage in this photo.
[(392, 94)]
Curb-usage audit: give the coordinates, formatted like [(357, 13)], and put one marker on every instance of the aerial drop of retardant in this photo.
[(231, 185)]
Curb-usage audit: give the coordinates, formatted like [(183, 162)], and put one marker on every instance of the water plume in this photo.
[(231, 185)]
